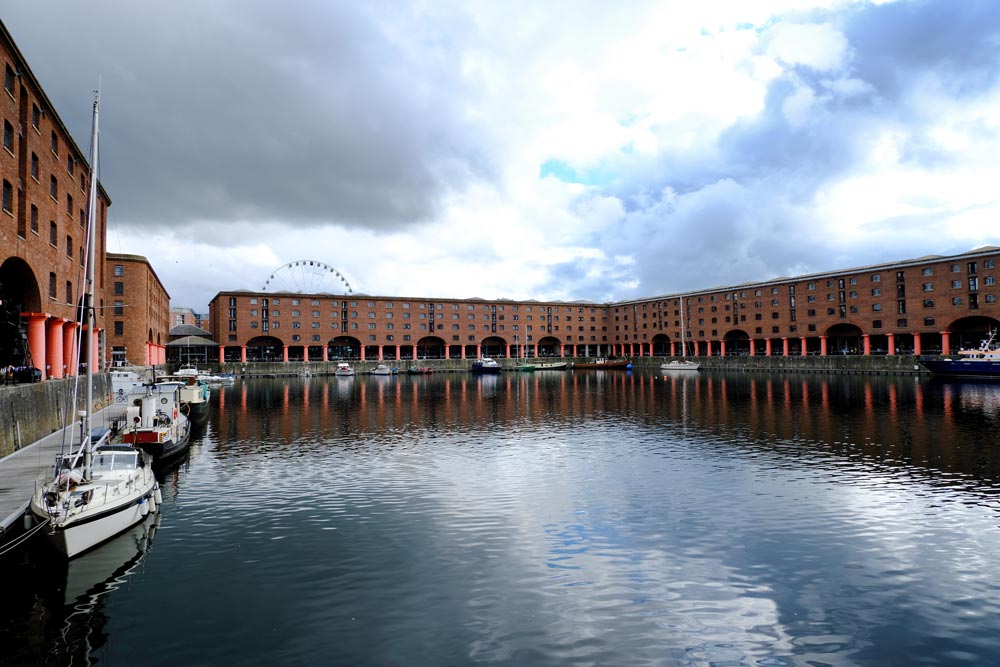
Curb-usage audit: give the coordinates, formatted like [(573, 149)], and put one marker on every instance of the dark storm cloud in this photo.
[(308, 113)]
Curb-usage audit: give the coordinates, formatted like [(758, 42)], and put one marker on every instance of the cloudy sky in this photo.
[(550, 150)]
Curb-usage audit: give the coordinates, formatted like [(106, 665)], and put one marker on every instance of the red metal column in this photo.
[(54, 347), (916, 344), (892, 343), (866, 343), (945, 342), (69, 347), (822, 346)]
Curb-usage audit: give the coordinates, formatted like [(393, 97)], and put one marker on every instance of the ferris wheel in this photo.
[(307, 276)]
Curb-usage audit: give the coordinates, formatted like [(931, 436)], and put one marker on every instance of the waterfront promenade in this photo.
[(20, 471)]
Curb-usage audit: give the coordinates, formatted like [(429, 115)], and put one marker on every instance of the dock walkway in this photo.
[(21, 470)]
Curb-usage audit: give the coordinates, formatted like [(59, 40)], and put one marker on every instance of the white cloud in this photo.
[(820, 47)]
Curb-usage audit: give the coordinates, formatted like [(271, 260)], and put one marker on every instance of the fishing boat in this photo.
[(381, 369), (98, 489), (344, 370), (194, 397), (982, 362), (605, 364), (485, 366), (155, 422)]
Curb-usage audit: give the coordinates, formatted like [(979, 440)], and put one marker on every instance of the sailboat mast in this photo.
[(683, 331), (90, 313)]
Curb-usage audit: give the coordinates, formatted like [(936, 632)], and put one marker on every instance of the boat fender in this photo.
[(157, 494), (143, 507)]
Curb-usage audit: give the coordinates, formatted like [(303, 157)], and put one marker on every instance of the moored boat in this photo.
[(680, 365), (552, 366), (525, 368), (605, 364), (420, 370), (381, 369), (98, 489), (155, 423), (344, 370), (194, 395), (485, 365), (982, 362)]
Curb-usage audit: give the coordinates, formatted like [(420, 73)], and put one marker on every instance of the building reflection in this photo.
[(895, 420)]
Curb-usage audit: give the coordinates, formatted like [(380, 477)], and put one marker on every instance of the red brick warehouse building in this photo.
[(139, 322), (43, 227), (926, 305)]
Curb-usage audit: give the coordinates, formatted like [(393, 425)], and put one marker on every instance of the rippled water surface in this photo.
[(551, 519)]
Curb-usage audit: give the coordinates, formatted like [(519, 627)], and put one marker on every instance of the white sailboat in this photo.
[(100, 489), (682, 364)]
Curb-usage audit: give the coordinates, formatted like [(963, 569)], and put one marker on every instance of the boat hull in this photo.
[(557, 366), (163, 450), (963, 368), (196, 411), (82, 532), (606, 366), (680, 366), (485, 370)]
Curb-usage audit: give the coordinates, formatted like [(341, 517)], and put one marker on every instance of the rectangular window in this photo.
[(119, 307), (956, 284), (991, 298), (119, 288), (876, 291), (928, 303), (928, 321), (120, 271), (928, 287), (119, 328), (8, 196), (54, 187), (53, 233), (36, 116), (956, 301), (69, 246), (34, 166), (8, 136), (876, 307)]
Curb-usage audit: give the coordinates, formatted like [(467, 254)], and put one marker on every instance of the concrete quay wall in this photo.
[(29, 412)]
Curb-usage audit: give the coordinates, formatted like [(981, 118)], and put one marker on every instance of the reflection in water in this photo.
[(558, 518), (908, 420), (67, 609)]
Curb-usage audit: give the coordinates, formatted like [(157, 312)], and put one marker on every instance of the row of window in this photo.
[(254, 301), (296, 338)]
